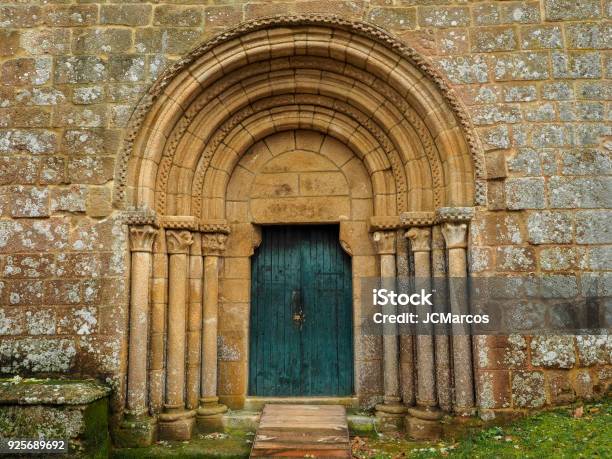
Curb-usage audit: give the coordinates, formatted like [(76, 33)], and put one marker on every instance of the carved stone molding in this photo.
[(420, 239), (384, 242), (410, 219), (214, 226), (141, 238), (178, 241), (140, 217), (213, 243), (179, 222), (455, 235), (383, 223), (454, 214)]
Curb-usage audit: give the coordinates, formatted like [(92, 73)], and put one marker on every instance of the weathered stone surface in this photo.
[(528, 389), (46, 41), (553, 351), (402, 18), (520, 12), (515, 259), (462, 70), (525, 66), (525, 193), (70, 15), (9, 42), (30, 201), (562, 258), (125, 14), (37, 355), (26, 71), (576, 64), (177, 16), (558, 10), (549, 227), (443, 17), (580, 192), (493, 39), (82, 69), (600, 258), (541, 37), (105, 40), (591, 227)]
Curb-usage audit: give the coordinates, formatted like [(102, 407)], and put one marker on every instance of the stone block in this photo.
[(515, 259), (222, 16), (562, 258), (29, 201), (569, 192), (559, 388), (80, 116), (99, 202), (553, 351), (39, 96), (523, 66), (9, 42), (520, 12), (91, 170), (37, 355), (80, 69), (549, 227), (502, 228), (593, 90), (70, 15), (525, 193), (172, 40), (493, 114), (576, 64), (540, 112), (495, 138), (528, 390), (126, 68), (17, 16), (127, 14), (393, 18), (91, 142), (558, 90), (594, 349), (76, 411), (493, 389), (88, 95), (541, 37), (101, 40), (589, 35), (439, 16), (600, 258), (46, 41), (520, 93), (465, 70), (69, 199), (550, 135), (489, 39), (177, 16), (453, 41), (582, 382), (26, 71), (593, 227), (485, 14), (564, 10)]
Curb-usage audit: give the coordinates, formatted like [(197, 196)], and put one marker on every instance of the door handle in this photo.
[(298, 315)]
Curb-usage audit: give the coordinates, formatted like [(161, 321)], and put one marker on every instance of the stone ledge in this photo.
[(30, 391)]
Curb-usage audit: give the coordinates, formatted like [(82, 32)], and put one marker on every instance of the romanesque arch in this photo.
[(376, 118)]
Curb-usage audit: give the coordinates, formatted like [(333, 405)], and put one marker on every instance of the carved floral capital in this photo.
[(178, 241), (384, 242), (420, 239), (141, 238), (213, 243), (455, 235)]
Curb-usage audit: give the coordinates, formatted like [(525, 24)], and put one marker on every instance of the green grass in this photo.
[(552, 434)]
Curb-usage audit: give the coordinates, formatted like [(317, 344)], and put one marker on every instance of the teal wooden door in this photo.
[(301, 326)]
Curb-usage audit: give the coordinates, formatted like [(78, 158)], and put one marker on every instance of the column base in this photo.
[(176, 425), (209, 416), (391, 416), (423, 423), (136, 431)]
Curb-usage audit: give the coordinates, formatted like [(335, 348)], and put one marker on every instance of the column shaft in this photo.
[(194, 323), (141, 239)]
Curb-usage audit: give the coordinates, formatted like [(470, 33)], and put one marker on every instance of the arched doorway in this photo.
[(290, 120)]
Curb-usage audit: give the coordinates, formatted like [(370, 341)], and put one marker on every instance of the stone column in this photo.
[(209, 414), (176, 423), (422, 420), (194, 323), (442, 348), (138, 429), (391, 411), (454, 230)]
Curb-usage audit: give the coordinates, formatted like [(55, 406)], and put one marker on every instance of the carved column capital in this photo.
[(455, 235), (213, 243), (141, 238), (420, 239), (385, 242), (178, 241)]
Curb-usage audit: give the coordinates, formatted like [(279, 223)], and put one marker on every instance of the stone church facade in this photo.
[(145, 147)]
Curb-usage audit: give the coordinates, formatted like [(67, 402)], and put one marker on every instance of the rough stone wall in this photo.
[(533, 75)]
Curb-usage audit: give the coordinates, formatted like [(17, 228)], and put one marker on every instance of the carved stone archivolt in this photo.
[(395, 117)]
